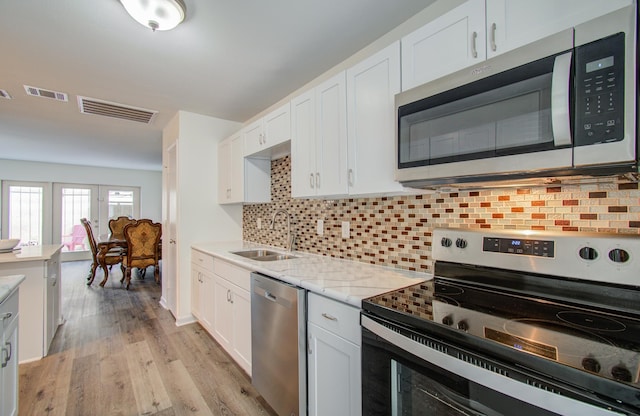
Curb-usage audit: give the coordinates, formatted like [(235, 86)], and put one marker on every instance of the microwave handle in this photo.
[(560, 87)]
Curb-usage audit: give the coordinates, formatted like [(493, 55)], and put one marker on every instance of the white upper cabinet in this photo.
[(303, 140), (319, 140), (241, 179), (371, 87), (268, 132), (509, 22), (481, 29), (448, 43)]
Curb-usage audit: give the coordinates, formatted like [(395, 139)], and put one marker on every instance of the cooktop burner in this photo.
[(559, 297)]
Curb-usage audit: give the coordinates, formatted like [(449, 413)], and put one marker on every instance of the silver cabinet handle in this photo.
[(309, 351), (264, 138), (350, 175), (474, 51), (311, 182), (172, 241), (492, 39), (318, 180), (329, 317), (6, 315), (7, 354)]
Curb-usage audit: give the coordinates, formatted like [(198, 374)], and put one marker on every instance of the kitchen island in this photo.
[(39, 296)]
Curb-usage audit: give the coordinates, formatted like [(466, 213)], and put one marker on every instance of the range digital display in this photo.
[(540, 248)]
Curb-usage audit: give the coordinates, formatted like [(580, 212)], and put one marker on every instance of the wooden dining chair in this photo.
[(116, 226), (143, 242), (113, 256)]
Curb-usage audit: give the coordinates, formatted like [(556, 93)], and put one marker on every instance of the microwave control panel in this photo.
[(599, 91)]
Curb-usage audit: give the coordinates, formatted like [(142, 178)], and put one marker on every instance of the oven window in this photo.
[(438, 392)]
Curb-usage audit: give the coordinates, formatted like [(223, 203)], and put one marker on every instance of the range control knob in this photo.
[(461, 243), (588, 253), (618, 255), (463, 326), (621, 373), (447, 320), (591, 364), (445, 242)]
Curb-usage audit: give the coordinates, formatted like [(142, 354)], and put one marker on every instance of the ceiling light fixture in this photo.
[(156, 14)]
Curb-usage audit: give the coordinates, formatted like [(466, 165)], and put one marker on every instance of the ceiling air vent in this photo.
[(5, 94), (41, 92), (104, 108)]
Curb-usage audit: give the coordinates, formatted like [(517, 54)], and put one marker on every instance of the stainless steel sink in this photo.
[(263, 255)]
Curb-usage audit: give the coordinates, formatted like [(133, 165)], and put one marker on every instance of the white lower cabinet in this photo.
[(232, 303), (221, 301), (334, 354), (202, 288), (9, 355)]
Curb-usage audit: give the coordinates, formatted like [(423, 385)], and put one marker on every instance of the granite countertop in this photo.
[(8, 285), (30, 253), (344, 280)]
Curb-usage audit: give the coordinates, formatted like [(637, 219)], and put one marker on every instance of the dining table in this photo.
[(107, 242)]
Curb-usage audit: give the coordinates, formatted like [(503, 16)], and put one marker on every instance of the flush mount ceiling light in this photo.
[(156, 14)]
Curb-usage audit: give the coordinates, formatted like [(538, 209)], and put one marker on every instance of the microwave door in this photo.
[(517, 121)]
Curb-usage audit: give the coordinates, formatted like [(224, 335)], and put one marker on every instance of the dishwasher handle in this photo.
[(267, 295)]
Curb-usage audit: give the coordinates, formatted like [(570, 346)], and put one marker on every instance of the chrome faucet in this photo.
[(291, 239)]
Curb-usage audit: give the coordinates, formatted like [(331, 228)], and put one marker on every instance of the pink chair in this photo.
[(76, 238)]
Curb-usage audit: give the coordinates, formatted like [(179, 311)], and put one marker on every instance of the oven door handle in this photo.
[(492, 380)]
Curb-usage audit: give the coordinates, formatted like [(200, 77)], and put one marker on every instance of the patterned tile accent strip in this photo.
[(396, 231)]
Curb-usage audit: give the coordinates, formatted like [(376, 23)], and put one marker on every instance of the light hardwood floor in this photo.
[(120, 353)]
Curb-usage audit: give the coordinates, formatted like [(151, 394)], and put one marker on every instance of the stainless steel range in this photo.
[(542, 322)]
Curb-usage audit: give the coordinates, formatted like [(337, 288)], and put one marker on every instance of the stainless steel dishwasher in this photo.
[(278, 344)]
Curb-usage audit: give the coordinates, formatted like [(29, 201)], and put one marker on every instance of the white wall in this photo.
[(199, 216), (150, 182)]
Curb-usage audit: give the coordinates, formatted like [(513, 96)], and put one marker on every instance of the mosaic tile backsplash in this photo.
[(396, 231)]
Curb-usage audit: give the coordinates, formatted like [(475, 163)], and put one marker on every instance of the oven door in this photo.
[(415, 375)]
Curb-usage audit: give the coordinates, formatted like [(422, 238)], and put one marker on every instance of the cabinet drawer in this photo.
[(334, 316), (234, 274), (9, 310), (203, 260)]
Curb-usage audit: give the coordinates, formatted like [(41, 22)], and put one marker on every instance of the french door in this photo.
[(24, 212), (42, 213)]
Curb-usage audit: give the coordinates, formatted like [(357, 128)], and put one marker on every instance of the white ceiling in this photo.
[(229, 59)]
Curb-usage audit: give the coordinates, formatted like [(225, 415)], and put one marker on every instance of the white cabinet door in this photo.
[(277, 126), (509, 21), (231, 170), (319, 140), (371, 88), (241, 301), (334, 374), (196, 287), (331, 137), (253, 137), (236, 160), (450, 42), (206, 301), (9, 317), (303, 139), (223, 313)]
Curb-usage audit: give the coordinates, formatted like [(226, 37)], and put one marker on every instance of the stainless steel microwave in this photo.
[(565, 105)]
